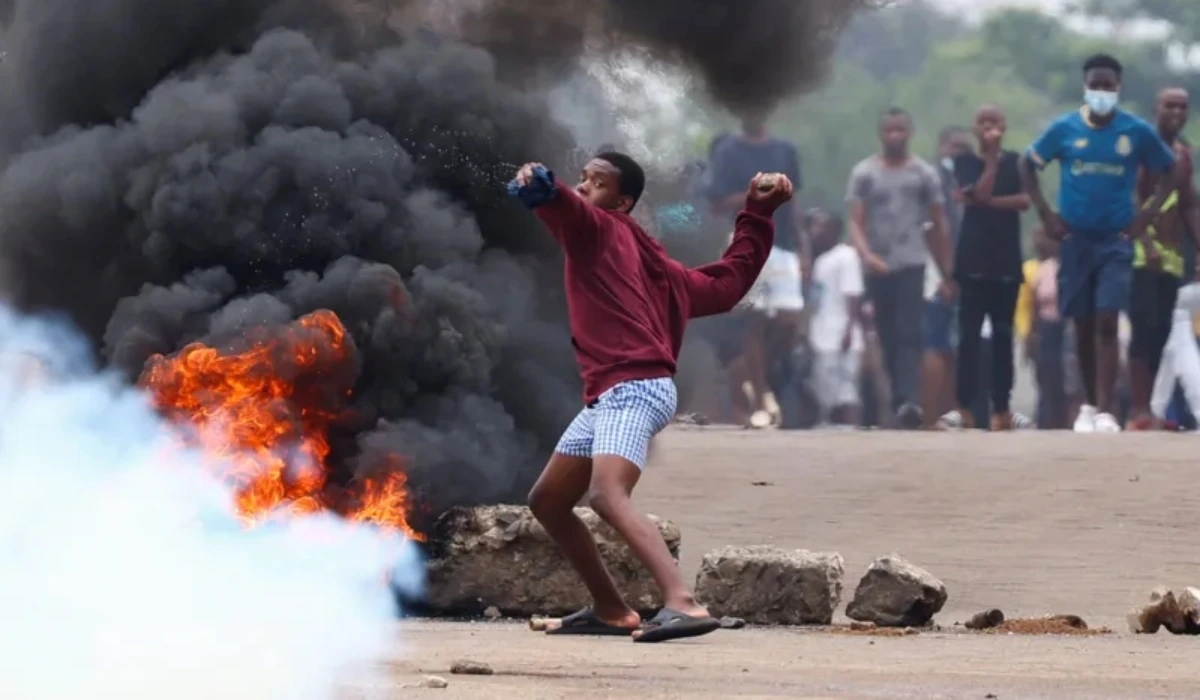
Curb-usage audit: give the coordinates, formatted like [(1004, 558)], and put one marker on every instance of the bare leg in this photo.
[(756, 358), (613, 479), (1108, 362), (558, 490), (1085, 348), (1140, 381)]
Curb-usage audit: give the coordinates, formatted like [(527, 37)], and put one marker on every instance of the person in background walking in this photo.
[(892, 195)]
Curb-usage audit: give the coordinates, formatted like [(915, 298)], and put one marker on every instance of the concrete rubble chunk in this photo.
[(1179, 614), (501, 557), (768, 585), (896, 593)]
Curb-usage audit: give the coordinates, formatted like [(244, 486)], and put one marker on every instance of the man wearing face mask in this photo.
[(1100, 149)]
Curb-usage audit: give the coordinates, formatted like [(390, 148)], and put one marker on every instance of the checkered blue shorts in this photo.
[(622, 421)]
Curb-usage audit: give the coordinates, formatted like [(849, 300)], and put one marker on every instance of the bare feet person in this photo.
[(629, 304)]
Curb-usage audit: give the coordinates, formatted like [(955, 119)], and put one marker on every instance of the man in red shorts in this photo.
[(629, 304)]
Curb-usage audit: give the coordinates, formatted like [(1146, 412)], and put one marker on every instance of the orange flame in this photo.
[(264, 414)]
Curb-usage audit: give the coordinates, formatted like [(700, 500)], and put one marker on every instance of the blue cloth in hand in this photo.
[(539, 191)]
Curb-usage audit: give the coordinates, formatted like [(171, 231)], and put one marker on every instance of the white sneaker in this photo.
[(1085, 422), (1106, 423), (760, 420)]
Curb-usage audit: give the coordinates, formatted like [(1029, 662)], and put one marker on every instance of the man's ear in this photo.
[(625, 204)]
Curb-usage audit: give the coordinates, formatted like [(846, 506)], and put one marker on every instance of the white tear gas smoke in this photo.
[(180, 172), (124, 573)]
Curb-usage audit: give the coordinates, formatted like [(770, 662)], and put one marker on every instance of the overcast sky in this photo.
[(984, 6)]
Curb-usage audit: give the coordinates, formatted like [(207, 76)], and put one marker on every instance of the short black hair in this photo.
[(951, 130), (895, 112), (633, 179), (1102, 61)]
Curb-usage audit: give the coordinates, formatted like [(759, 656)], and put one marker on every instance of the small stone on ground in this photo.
[(464, 667)]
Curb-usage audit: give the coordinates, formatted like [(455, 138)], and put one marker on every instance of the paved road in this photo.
[(1032, 523)]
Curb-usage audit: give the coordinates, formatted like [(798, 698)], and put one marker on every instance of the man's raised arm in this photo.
[(573, 222), (717, 287)]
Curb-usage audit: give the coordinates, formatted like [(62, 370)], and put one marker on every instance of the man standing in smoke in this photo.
[(629, 304)]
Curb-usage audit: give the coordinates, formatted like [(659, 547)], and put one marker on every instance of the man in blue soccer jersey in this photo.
[(1099, 149)]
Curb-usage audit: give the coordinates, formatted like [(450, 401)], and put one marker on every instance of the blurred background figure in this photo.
[(939, 59), (940, 325), (897, 221), (836, 332), (1044, 333), (773, 319)]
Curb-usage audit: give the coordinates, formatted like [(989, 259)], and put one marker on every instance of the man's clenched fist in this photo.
[(772, 190)]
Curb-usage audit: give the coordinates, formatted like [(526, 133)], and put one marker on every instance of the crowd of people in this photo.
[(915, 293), (913, 306)]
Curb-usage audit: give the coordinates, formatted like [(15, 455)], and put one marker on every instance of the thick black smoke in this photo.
[(185, 171)]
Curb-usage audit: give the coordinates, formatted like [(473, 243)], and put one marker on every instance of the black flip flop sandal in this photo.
[(671, 624), (585, 622)]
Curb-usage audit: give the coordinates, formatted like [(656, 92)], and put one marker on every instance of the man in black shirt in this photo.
[(987, 266)]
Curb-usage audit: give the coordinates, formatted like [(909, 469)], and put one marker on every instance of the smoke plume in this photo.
[(183, 172), (126, 573)]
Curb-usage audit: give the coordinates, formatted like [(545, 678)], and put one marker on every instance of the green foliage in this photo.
[(837, 126), (941, 70)]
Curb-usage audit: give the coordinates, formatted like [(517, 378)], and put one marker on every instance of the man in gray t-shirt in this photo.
[(891, 196)]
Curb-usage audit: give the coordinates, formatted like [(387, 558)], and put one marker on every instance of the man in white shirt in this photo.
[(775, 302), (835, 331)]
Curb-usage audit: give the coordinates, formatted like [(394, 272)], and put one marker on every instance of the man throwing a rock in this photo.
[(629, 304)]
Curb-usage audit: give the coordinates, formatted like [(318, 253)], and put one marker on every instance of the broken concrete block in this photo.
[(768, 585), (895, 593), (1179, 614), (501, 557)]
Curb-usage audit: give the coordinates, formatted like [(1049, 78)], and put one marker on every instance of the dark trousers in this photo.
[(981, 410), (1151, 308), (997, 301), (899, 300), (1051, 374)]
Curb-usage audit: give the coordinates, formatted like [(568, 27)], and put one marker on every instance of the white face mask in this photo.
[(948, 163), (1100, 102)]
